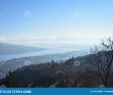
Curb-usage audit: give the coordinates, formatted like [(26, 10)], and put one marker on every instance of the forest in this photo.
[(93, 70)]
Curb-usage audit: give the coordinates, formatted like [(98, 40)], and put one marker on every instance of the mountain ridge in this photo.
[(6, 48)]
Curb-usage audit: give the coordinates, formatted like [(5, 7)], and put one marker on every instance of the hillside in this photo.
[(47, 72), (74, 72), (51, 74), (14, 64)]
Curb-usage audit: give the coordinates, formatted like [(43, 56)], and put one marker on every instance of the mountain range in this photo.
[(15, 63), (6, 48)]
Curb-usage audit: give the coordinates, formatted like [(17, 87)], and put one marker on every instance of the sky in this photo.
[(62, 23)]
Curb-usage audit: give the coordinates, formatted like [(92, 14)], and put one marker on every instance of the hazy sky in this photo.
[(49, 22)]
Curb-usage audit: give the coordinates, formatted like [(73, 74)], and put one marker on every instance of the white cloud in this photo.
[(67, 38), (3, 39)]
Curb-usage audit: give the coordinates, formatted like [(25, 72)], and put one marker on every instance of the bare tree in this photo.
[(103, 59)]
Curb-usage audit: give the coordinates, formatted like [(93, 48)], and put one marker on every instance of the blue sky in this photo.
[(49, 22)]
